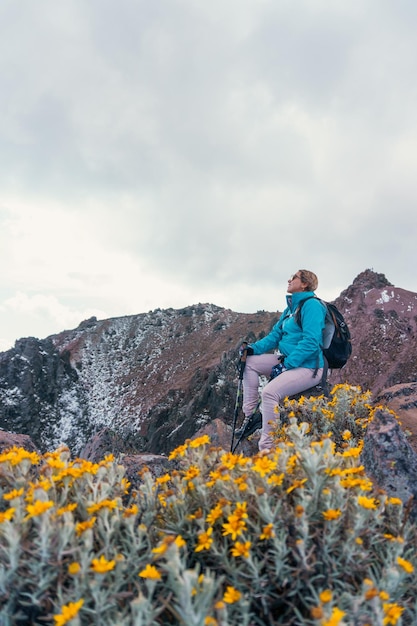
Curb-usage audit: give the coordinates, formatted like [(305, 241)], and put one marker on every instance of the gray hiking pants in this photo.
[(288, 383)]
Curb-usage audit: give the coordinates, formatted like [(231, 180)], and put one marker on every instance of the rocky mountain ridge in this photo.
[(156, 378)]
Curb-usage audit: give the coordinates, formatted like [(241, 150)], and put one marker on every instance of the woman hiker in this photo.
[(298, 361)]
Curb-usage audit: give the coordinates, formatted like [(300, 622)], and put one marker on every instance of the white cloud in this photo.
[(161, 154)]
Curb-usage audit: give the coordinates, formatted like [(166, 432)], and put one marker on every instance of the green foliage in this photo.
[(298, 536)]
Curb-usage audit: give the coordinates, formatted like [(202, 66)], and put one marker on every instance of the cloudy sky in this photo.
[(161, 153)]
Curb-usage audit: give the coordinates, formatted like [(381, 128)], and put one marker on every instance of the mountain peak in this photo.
[(364, 282), (369, 279)]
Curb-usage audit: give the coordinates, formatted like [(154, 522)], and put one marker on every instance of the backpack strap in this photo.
[(297, 316)]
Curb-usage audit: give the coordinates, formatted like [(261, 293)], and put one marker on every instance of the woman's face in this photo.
[(295, 283)]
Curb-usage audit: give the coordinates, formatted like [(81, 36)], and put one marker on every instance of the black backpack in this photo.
[(337, 346)]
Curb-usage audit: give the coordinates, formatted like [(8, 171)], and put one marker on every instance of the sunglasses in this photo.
[(293, 277)]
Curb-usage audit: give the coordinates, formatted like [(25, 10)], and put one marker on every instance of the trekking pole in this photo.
[(242, 364)]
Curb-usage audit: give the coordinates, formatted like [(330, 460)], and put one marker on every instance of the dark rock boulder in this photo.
[(389, 460), (402, 399), (9, 440), (39, 395)]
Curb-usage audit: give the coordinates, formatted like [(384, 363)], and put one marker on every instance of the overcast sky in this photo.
[(161, 153)]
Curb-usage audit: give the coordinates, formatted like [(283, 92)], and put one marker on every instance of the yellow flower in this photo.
[(210, 621), (150, 572), (180, 542), (241, 549), (335, 618), (199, 441), (394, 501), (214, 514), (125, 484), (231, 595), (161, 548), (367, 503), (168, 541), (69, 611), (104, 504), (275, 480), (240, 510), (38, 508), (102, 565), (55, 463), (6, 516), (204, 540), (74, 568), (42, 483), (406, 565), (352, 452), (328, 414), (192, 472), (347, 435), (83, 526), (161, 480), (11, 495), (392, 612), (131, 511), (109, 458), (67, 509), (392, 538), (351, 482), (241, 482), (180, 451), (263, 465), (296, 484), (332, 514), (325, 596), (16, 455), (230, 461), (292, 460), (267, 532), (234, 527)]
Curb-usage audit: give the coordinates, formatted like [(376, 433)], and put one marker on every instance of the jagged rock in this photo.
[(107, 441), (402, 399), (135, 464), (383, 324), (389, 460), (221, 436), (8, 440)]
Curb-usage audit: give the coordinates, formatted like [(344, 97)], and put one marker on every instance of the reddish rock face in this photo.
[(9, 440)]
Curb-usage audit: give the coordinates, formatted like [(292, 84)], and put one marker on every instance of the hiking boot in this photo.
[(253, 423)]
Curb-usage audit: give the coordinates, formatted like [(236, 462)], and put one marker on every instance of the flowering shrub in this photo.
[(298, 536)]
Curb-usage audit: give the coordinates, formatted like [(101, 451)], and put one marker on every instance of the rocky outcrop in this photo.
[(152, 380), (383, 323), (402, 399), (389, 459), (11, 440), (40, 395)]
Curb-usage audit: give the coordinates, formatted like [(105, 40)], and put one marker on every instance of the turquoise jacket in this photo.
[(301, 347)]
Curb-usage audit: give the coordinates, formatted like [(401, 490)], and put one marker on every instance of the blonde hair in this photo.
[(310, 279)]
